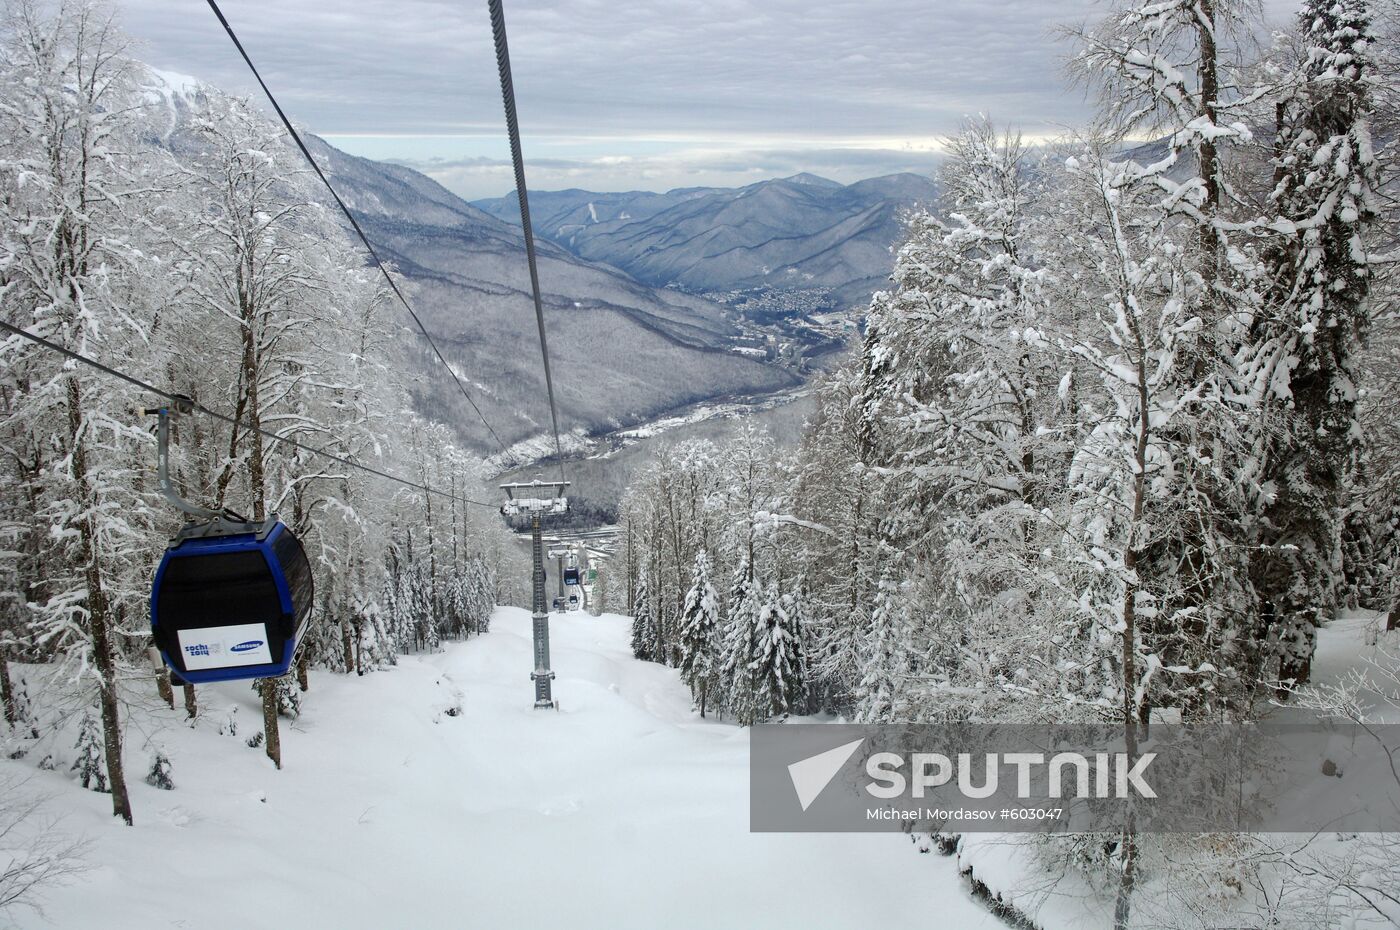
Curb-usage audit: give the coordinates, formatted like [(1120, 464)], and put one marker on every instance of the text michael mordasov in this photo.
[(955, 814)]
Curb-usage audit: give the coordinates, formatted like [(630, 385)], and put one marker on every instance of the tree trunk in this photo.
[(163, 688), (1131, 561), (1128, 878), (99, 612), (226, 476), (272, 736), (1123, 903), (7, 689), (347, 646), (434, 607), (631, 572), (1209, 158), (191, 702), (303, 672), (359, 649)]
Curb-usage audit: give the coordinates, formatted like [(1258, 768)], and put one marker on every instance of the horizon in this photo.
[(933, 176), (708, 95), (474, 178)]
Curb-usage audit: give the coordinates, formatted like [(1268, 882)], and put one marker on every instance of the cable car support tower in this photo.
[(546, 497), (534, 500)]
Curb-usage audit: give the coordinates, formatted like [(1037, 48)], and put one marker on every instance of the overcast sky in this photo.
[(647, 95)]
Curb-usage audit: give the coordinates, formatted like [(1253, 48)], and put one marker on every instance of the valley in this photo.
[(800, 233), (601, 467), (761, 288)]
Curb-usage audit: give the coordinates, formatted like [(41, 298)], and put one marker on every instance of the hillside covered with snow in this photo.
[(435, 796)]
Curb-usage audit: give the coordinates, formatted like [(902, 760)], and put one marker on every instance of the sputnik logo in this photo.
[(811, 775)]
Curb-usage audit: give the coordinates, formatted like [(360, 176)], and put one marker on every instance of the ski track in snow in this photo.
[(621, 810)]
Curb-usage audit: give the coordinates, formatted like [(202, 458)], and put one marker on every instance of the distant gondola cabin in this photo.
[(571, 576), (228, 604)]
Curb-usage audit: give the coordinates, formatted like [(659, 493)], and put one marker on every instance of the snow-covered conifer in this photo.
[(159, 775), (699, 634), (881, 695), (644, 632), (1301, 363), (735, 679), (780, 687), (92, 772)]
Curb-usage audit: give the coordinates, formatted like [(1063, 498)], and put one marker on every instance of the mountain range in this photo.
[(622, 351), (800, 232), (632, 337)]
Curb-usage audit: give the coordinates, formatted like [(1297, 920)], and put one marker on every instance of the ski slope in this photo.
[(621, 810)]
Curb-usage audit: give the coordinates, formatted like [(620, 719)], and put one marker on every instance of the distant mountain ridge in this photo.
[(803, 231), (623, 351)]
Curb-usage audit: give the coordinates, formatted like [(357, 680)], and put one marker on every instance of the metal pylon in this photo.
[(541, 676), (536, 505)]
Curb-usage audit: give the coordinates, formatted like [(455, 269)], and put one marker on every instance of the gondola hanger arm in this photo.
[(178, 405)]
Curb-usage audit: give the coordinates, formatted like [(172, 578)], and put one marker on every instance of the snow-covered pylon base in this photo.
[(621, 810)]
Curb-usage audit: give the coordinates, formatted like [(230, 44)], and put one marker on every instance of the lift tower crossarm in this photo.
[(535, 499)]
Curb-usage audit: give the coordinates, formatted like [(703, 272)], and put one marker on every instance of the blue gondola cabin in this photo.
[(571, 576), (231, 601)]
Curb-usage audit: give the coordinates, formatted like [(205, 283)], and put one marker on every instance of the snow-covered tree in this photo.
[(159, 775), (600, 599), (1301, 363), (779, 660), (69, 250), (90, 769), (1174, 70), (881, 695), (247, 266), (839, 492), (644, 631), (951, 377), (194, 254), (699, 633), (735, 679)]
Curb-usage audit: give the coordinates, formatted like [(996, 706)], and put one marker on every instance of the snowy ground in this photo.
[(621, 810), (1056, 899)]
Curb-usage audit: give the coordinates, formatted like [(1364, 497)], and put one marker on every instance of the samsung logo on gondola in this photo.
[(249, 646)]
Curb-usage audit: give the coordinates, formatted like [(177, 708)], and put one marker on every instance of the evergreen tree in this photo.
[(780, 687), (880, 697), (89, 763), (699, 634), (600, 597), (159, 775), (736, 678), (795, 607), (1302, 362), (644, 632)]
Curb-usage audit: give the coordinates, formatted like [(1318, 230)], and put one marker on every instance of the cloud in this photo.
[(830, 77)]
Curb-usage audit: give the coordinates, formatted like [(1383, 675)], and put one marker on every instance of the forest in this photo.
[(195, 256), (1119, 438), (1115, 444)]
